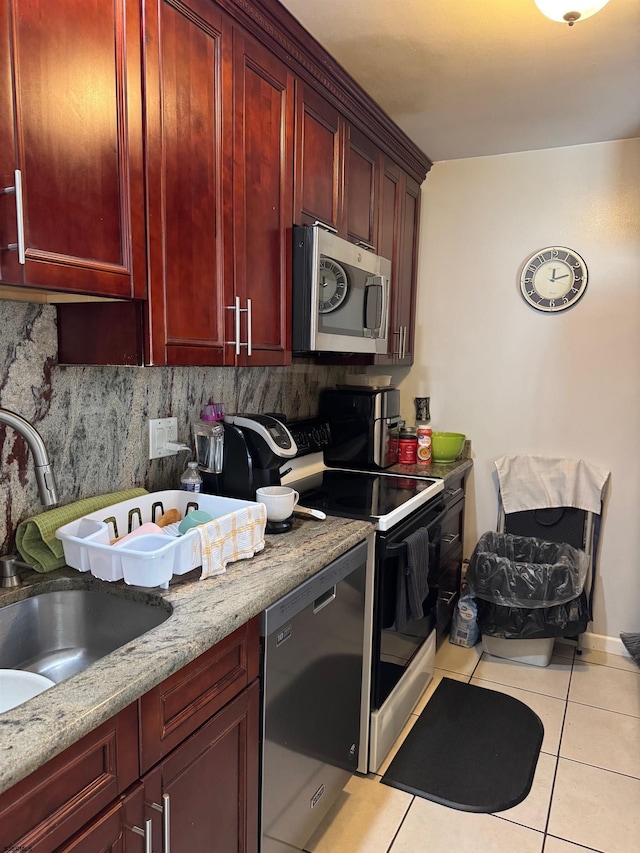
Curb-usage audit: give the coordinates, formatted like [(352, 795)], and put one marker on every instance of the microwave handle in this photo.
[(374, 311)]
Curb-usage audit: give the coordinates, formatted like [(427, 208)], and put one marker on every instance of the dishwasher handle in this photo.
[(323, 600)]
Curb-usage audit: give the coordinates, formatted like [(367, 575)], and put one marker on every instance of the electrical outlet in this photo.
[(162, 431)]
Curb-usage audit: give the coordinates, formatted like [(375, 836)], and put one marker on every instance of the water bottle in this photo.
[(191, 481)]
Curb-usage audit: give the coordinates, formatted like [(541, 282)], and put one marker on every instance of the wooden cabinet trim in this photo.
[(240, 719), (185, 700), (312, 107), (47, 807), (72, 216), (276, 27), (262, 200)]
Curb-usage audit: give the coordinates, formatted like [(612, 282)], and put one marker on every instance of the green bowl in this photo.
[(446, 446)]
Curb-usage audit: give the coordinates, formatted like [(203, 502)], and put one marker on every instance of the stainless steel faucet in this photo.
[(44, 473)]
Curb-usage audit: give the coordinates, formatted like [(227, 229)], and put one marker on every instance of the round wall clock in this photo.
[(553, 279), (334, 285)]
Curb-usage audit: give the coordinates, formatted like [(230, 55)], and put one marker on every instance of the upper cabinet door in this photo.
[(71, 131), (405, 300), (319, 160), (259, 318), (398, 240), (362, 165), (185, 126), (391, 186)]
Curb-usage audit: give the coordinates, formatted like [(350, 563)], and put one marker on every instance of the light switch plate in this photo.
[(161, 432)]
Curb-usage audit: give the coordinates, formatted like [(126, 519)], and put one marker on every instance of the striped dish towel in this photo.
[(235, 536)]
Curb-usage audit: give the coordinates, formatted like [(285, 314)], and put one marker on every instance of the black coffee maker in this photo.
[(255, 448)]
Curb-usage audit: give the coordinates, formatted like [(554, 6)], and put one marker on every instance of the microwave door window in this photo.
[(341, 299)]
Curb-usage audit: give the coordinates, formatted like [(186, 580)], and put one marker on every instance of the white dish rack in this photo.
[(145, 560)]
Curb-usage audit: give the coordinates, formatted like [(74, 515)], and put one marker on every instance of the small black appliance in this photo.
[(362, 423), (255, 447)]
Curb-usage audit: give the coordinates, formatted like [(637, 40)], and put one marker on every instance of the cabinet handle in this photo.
[(365, 245), (146, 834), (16, 190), (398, 332), (249, 329), (449, 538), (403, 332), (238, 310), (326, 227), (166, 821), (166, 824), (447, 598), (236, 323)]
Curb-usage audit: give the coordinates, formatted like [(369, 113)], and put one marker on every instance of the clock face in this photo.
[(334, 285), (553, 279)]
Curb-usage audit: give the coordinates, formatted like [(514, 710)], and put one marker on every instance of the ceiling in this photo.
[(478, 77)]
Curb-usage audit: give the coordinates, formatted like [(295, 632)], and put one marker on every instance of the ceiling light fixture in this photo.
[(569, 11)]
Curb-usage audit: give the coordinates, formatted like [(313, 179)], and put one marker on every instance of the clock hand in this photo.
[(557, 278)]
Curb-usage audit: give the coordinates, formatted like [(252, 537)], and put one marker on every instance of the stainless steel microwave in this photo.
[(340, 294)]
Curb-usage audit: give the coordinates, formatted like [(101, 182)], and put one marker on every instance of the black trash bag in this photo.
[(520, 623), (522, 571)]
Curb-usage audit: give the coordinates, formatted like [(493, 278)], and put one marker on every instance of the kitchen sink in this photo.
[(60, 632)]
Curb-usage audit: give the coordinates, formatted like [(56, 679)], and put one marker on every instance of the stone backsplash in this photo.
[(94, 419)]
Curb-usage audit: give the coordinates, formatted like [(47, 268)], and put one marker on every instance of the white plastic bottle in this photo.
[(191, 481)]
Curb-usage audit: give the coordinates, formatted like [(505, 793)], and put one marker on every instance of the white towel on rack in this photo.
[(235, 536), (539, 482)]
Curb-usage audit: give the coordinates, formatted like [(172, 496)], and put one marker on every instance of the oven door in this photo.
[(393, 650)]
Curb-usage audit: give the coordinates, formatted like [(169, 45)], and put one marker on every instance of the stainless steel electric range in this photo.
[(402, 652)]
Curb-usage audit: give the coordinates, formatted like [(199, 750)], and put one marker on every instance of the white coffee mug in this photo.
[(278, 500)]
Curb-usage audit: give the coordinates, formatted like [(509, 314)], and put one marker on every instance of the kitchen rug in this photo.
[(471, 749)]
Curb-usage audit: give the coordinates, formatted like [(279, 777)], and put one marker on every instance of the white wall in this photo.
[(519, 381)]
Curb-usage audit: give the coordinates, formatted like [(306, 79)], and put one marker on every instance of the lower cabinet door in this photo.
[(207, 788), (119, 828)]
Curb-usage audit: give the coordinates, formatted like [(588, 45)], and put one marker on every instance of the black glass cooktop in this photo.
[(357, 494)]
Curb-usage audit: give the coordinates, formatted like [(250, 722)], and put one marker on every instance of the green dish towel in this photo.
[(36, 536)]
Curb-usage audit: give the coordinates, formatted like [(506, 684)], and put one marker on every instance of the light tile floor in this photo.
[(586, 790)]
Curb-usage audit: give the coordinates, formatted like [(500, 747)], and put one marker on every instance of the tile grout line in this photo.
[(404, 817), (603, 769), (555, 772)]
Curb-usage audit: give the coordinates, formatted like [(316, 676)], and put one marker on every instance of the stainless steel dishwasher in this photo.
[(316, 661)]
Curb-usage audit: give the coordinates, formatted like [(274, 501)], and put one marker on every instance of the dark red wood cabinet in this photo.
[(219, 124), (165, 149), (178, 769), (71, 129), (187, 180), (43, 811), (361, 176), (398, 240), (336, 171), (219, 140), (259, 312), (319, 160)]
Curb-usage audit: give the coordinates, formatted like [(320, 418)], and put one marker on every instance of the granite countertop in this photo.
[(204, 612), (434, 469)]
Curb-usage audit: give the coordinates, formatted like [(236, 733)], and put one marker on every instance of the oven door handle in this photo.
[(401, 546)]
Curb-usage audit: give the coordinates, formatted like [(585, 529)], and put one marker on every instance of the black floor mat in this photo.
[(471, 749)]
